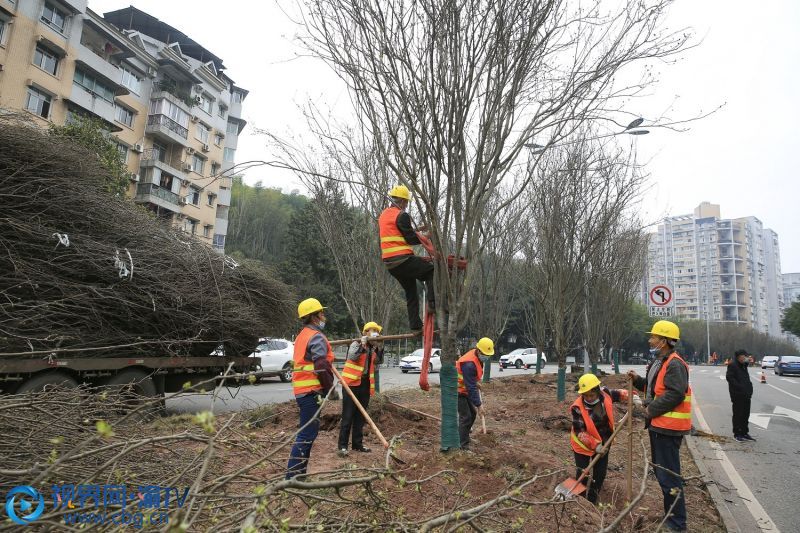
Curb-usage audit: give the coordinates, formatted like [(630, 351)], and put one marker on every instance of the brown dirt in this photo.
[(527, 434)]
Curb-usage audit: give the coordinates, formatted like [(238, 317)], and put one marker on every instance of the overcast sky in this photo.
[(742, 157)]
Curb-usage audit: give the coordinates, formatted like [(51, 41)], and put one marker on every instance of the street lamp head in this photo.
[(635, 123), (638, 132)]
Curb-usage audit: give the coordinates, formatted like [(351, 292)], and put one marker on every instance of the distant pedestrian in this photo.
[(668, 397), (741, 390)]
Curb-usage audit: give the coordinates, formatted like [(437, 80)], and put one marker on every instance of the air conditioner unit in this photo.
[(138, 148), (206, 148), (189, 150), (186, 167), (135, 177), (182, 200), (195, 118), (152, 71)]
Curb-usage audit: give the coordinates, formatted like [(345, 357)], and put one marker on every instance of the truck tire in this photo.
[(136, 387), (286, 372), (47, 380)]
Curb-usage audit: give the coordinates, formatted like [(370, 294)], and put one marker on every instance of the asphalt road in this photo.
[(770, 468), (272, 390)]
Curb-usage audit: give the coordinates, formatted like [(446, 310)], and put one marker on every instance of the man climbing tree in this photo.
[(397, 237)]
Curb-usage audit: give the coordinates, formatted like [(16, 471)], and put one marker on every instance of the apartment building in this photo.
[(723, 270), (791, 294), (173, 111)]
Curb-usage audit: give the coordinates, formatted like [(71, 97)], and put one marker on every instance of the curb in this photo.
[(719, 501)]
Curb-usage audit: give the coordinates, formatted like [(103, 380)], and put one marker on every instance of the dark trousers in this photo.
[(352, 417), (741, 414), (466, 417), (666, 452), (598, 474), (407, 273), (301, 451)]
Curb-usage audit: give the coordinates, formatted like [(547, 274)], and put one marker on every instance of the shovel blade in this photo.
[(569, 488)]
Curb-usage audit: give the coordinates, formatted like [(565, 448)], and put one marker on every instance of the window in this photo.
[(211, 198), (214, 169), (90, 83), (222, 111), (123, 152), (206, 104), (131, 81), (237, 97), (202, 133), (54, 17), (167, 108), (233, 128), (197, 165), (207, 230), (193, 197), (159, 152), (218, 139), (38, 102), (45, 60), (125, 116), (165, 181), (191, 226), (219, 241), (229, 155), (3, 30)]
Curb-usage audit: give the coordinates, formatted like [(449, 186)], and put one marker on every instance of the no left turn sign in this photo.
[(660, 295)]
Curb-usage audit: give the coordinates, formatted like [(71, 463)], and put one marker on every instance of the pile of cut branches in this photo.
[(84, 270)]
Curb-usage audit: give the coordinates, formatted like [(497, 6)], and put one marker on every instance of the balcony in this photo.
[(99, 66), (153, 194), (221, 226), (95, 105), (166, 129), (224, 197), (155, 159), (175, 93)]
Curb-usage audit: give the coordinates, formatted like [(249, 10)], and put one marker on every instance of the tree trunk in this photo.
[(448, 378)]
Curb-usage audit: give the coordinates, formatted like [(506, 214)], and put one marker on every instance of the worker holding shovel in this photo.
[(359, 374), (592, 427), (470, 372)]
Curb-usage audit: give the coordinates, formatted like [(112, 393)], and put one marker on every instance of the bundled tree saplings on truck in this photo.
[(94, 288)]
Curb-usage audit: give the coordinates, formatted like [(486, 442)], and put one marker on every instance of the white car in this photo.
[(769, 361), (521, 357), (413, 361), (277, 357)]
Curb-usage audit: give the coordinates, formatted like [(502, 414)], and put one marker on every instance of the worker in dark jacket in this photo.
[(668, 401), (397, 241), (592, 426), (741, 390), (470, 403), (312, 380)]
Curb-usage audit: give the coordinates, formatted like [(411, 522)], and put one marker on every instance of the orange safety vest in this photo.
[(680, 419), (354, 370), (304, 379), (392, 241), (472, 357), (591, 429)]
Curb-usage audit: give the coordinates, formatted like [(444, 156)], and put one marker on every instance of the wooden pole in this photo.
[(378, 338), (483, 418), (629, 474), (346, 387), (420, 413)]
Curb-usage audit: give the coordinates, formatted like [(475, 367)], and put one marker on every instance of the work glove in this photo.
[(364, 340), (599, 448), (637, 401), (334, 395)]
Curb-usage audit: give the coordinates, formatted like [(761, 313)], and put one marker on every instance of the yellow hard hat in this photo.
[(308, 306), (665, 328), (587, 382), (400, 191), (371, 325), (486, 346)]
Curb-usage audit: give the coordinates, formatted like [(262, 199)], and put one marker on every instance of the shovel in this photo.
[(571, 487), (360, 407)]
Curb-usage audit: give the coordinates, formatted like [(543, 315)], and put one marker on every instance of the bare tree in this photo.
[(453, 92)]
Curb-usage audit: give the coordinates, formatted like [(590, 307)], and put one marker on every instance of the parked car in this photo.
[(413, 361), (769, 361), (521, 357), (638, 359), (276, 356), (787, 364)]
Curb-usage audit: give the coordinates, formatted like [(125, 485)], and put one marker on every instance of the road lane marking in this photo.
[(783, 391), (759, 514), (721, 377)]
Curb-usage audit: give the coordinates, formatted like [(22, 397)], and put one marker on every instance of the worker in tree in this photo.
[(359, 374), (470, 372), (312, 379), (592, 426), (397, 239), (668, 401)]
